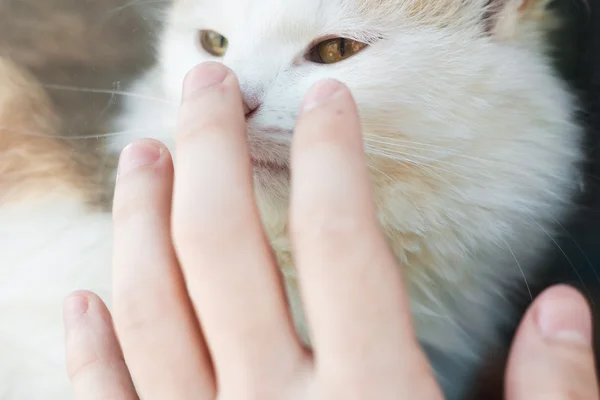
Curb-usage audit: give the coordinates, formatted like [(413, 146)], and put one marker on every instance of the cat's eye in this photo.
[(334, 50), (214, 43)]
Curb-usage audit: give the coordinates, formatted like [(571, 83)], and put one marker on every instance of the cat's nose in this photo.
[(252, 101), (250, 108), (248, 111)]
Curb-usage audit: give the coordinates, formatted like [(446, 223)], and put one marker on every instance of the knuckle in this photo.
[(186, 233), (189, 130), (141, 304), (198, 241), (133, 197), (123, 209), (255, 386), (132, 314), (337, 234), (130, 324), (82, 364)]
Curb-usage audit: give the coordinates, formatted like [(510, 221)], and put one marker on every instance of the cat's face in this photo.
[(466, 127)]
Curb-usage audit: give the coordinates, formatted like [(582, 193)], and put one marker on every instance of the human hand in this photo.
[(199, 315)]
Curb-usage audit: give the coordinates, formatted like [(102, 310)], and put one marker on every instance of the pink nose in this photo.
[(247, 109), (250, 110), (251, 99)]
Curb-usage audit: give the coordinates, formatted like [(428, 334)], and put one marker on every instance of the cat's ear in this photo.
[(505, 18)]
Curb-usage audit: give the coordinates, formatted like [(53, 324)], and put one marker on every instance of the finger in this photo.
[(552, 356), (154, 319), (352, 287), (94, 359), (229, 268)]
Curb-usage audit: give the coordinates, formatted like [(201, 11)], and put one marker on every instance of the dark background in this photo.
[(578, 57)]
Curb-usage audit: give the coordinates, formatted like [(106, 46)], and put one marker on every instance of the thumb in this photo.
[(552, 356)]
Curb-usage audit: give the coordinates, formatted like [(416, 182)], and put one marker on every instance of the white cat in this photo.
[(471, 138)]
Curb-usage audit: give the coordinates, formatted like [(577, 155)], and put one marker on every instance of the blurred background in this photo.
[(74, 47)]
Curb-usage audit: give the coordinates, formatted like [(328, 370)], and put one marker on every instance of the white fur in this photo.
[(49, 247), (471, 139)]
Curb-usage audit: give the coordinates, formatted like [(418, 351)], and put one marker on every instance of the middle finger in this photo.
[(231, 275)]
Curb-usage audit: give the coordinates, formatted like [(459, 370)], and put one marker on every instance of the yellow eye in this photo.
[(332, 51), (214, 43)]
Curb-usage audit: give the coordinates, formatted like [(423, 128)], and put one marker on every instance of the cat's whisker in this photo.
[(412, 146), (134, 3), (391, 139), (585, 287), (395, 148), (387, 139), (445, 151), (113, 134), (431, 313), (106, 91), (81, 137), (409, 144), (520, 268), (373, 151), (434, 164), (455, 195), (381, 172), (380, 153), (394, 156)]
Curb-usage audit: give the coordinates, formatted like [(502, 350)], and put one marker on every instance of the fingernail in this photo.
[(74, 307), (138, 154), (321, 93), (204, 76), (564, 316)]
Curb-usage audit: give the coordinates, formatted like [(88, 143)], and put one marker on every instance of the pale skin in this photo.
[(199, 316)]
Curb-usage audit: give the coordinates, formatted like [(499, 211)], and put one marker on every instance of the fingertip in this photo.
[(321, 92), (75, 306), (204, 76), (211, 102), (552, 352), (82, 304), (329, 115), (563, 314), (143, 152)]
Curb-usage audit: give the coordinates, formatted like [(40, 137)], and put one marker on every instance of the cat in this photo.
[(472, 142)]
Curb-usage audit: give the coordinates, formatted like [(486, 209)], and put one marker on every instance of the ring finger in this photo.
[(154, 320)]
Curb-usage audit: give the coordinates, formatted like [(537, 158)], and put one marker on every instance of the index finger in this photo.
[(352, 286)]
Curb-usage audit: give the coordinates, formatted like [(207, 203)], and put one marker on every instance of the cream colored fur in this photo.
[(471, 140)]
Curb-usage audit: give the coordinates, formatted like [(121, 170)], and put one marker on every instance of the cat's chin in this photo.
[(269, 153), (272, 178), (269, 166), (269, 173)]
